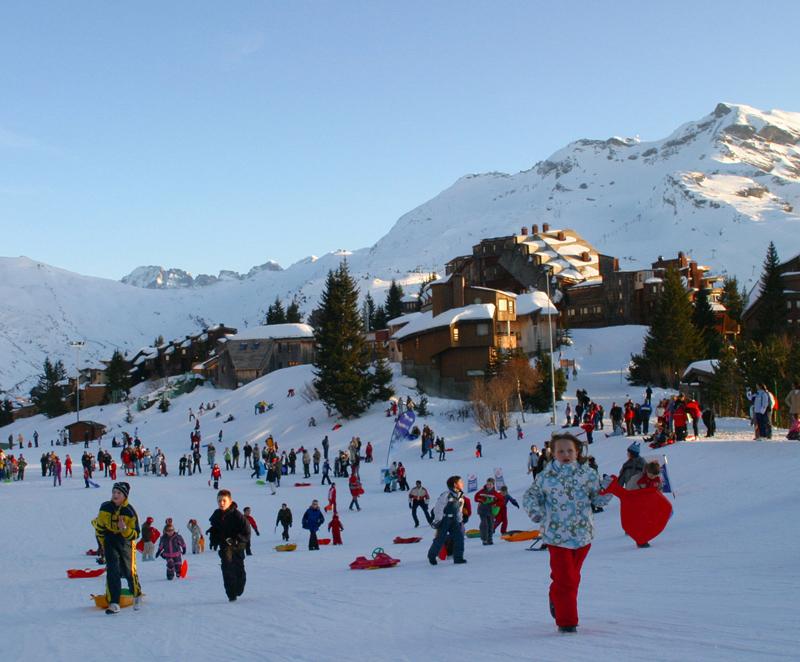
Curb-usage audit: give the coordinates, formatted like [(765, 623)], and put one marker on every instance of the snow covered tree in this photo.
[(118, 381), (672, 341), (381, 388), (772, 300), (48, 394), (293, 315), (342, 377), (732, 299), (275, 313), (706, 324), (394, 301)]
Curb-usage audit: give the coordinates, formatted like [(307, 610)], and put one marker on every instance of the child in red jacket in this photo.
[(112, 471), (216, 474), (253, 526), (651, 477), (336, 528)]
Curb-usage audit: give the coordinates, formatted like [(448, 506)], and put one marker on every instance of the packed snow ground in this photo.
[(719, 584)]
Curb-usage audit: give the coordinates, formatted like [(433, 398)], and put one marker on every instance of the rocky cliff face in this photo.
[(159, 278)]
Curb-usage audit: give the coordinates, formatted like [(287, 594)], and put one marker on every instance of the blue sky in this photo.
[(217, 135)]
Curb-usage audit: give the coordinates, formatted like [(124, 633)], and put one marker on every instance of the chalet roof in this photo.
[(274, 332), (535, 302), (403, 319), (706, 367), (426, 321)]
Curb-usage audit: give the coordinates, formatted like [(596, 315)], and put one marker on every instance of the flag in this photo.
[(401, 430), (666, 485)]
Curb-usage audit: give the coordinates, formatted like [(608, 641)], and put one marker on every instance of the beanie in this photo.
[(123, 487), (634, 448)]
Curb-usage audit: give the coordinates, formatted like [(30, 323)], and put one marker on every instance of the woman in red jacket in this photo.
[(680, 418)]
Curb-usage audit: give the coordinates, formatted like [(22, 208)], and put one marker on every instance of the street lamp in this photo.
[(548, 269), (77, 344)]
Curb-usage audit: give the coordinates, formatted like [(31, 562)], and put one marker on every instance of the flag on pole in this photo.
[(401, 430), (667, 485)]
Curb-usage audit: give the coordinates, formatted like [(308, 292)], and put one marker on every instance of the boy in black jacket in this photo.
[(230, 532)]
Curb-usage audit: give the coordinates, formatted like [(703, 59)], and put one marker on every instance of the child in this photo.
[(170, 548), (651, 476), (478, 450), (794, 430), (197, 535), (335, 527), (561, 499), (147, 538), (253, 526), (216, 474), (588, 427)]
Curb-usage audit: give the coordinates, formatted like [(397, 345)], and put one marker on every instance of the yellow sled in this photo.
[(285, 548), (125, 600), (473, 533)]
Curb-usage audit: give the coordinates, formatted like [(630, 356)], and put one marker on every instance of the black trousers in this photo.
[(233, 574), (120, 562), (312, 540), (285, 533), (424, 506)]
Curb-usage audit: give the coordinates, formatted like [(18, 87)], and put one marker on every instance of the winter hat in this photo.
[(123, 487), (149, 520), (634, 448)]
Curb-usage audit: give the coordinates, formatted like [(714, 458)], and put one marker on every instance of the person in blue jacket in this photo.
[(312, 520)]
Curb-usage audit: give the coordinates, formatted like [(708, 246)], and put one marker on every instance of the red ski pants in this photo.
[(565, 571)]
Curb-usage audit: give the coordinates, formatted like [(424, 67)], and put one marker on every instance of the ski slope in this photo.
[(719, 584)]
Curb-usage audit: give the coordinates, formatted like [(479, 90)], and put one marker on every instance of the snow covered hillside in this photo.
[(719, 584), (719, 188)]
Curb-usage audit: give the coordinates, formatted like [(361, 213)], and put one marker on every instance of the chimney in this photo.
[(534, 229), (545, 227), (458, 292), (585, 256), (524, 231), (561, 236)]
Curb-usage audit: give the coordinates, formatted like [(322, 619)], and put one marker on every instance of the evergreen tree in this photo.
[(425, 287), (275, 313), (732, 299), (118, 381), (368, 313), (293, 315), (6, 413), (706, 324), (342, 377), (672, 341), (772, 301), (164, 403), (394, 301), (48, 395), (541, 399), (314, 317), (158, 341), (726, 388), (381, 388), (380, 319)]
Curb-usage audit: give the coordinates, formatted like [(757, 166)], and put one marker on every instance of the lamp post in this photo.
[(550, 333), (77, 344)]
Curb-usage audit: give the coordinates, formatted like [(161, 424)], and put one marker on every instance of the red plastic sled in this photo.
[(449, 450), (92, 552), (302, 484), (644, 513), (184, 569), (324, 541), (379, 560), (155, 534), (84, 574), (337, 426), (405, 541)]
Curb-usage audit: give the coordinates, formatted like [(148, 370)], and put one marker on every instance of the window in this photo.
[(482, 330), (502, 304), (510, 306), (455, 334), (242, 347), (416, 343)]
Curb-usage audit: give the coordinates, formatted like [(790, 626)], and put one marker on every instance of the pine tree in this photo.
[(380, 319), (293, 315), (394, 301), (275, 313), (672, 341), (368, 313), (48, 395), (342, 377), (6, 413), (118, 381), (541, 399), (381, 388), (706, 324), (164, 403), (732, 299), (772, 300), (726, 388)]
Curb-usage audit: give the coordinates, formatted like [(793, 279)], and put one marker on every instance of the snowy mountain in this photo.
[(719, 188), (159, 278)]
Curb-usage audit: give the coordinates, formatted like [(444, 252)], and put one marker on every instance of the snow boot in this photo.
[(569, 629), (552, 609), (459, 561), (113, 608), (432, 560), (647, 544)]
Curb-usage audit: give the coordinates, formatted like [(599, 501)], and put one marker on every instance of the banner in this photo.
[(472, 483), (667, 486), (401, 430), (499, 481)]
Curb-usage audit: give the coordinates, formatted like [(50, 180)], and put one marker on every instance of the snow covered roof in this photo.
[(273, 331), (442, 280), (717, 307), (426, 321), (654, 279), (403, 319), (533, 302), (708, 366), (410, 298)]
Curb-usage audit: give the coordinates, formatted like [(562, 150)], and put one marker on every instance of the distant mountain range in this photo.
[(719, 188)]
